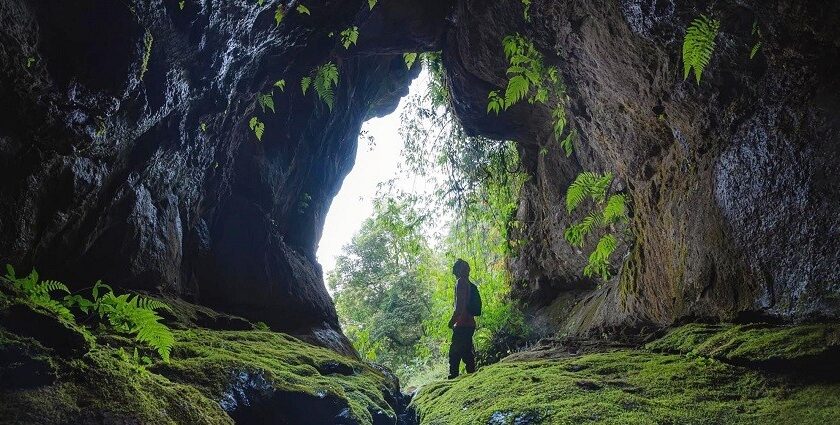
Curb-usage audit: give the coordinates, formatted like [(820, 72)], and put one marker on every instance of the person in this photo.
[(462, 322)]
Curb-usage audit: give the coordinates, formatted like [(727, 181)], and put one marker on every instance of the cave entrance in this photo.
[(421, 194)]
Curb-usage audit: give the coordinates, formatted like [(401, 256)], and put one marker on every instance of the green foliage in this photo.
[(325, 81), (567, 143), (147, 53), (349, 36), (606, 212), (279, 14), (409, 59), (495, 102), (135, 315), (29, 62), (181, 4), (698, 45), (756, 31), (528, 75), (257, 126), (266, 101), (38, 292), (203, 127), (371, 3), (281, 84), (526, 11), (303, 10), (305, 82)]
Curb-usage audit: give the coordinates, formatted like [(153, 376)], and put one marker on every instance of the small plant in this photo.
[(281, 84), (349, 36), (266, 101), (38, 292), (526, 11), (409, 59), (698, 45), (371, 3), (303, 10), (257, 126), (147, 53), (325, 80), (567, 143), (756, 31), (181, 5), (279, 13), (606, 212), (29, 62)]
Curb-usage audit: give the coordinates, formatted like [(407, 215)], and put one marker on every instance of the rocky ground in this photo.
[(697, 374)]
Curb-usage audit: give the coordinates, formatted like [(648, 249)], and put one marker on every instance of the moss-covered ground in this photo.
[(634, 387), (107, 384)]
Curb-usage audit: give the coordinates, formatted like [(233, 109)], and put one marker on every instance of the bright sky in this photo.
[(374, 164)]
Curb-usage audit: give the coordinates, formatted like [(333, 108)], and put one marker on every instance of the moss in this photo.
[(105, 384), (206, 359), (752, 343), (623, 387)]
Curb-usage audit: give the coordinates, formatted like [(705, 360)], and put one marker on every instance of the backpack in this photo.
[(474, 305)]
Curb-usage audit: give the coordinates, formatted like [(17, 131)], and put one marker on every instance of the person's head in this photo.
[(461, 269)]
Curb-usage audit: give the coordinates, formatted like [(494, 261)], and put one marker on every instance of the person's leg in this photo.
[(469, 353), (454, 355)]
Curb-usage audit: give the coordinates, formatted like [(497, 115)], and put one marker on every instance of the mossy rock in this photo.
[(214, 377), (624, 387), (798, 346)]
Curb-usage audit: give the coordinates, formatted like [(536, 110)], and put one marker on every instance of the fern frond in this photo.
[(409, 59), (257, 126), (150, 303), (598, 190), (326, 79), (578, 190), (349, 36), (517, 88), (10, 272), (147, 329), (698, 45), (266, 102), (615, 209), (599, 259), (305, 82), (279, 13), (53, 285), (567, 143), (576, 233)]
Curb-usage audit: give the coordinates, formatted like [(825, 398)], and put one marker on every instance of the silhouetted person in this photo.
[(462, 322)]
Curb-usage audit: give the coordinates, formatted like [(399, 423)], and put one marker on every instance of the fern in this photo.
[(305, 82), (558, 114), (281, 84), (615, 209), (579, 189), (279, 14), (349, 36), (266, 101), (599, 259), (409, 59), (147, 53), (325, 81), (38, 292), (371, 3), (526, 11), (576, 233), (698, 45), (257, 126), (567, 143), (598, 189), (495, 102), (756, 31), (135, 315), (303, 10)]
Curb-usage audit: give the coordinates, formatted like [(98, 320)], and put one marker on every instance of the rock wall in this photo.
[(125, 152), (732, 181)]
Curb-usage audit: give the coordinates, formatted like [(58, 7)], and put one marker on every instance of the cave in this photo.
[(189, 151)]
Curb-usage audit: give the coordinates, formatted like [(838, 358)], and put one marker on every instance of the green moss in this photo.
[(187, 390), (206, 359), (623, 387), (751, 343)]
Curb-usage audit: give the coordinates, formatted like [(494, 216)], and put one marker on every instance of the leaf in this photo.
[(599, 258), (305, 82), (281, 84), (279, 13), (257, 126), (326, 79), (567, 143), (517, 89), (559, 116), (409, 59), (755, 49), (495, 103), (698, 45), (266, 102), (10, 272), (576, 233), (615, 209), (260, 2), (371, 3), (181, 4), (203, 127), (303, 10), (598, 189), (349, 36), (578, 190)]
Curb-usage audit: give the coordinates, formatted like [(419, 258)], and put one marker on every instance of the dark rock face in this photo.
[(733, 182), (125, 152)]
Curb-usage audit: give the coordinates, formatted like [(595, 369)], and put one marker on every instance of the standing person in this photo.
[(462, 321)]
